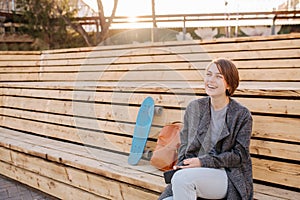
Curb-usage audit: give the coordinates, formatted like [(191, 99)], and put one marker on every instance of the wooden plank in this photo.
[(91, 107), (282, 89), (134, 64), (95, 138), (273, 168), (274, 106), (135, 50), (112, 112), (258, 147), (264, 127), (126, 67), (157, 57), (18, 69), (119, 76), (276, 63), (16, 63), (122, 172), (281, 173), (259, 105), (20, 57), (270, 74), (275, 149), (263, 192), (173, 47), (278, 128), (68, 50), (121, 128), (111, 97), (11, 66), (273, 174), (183, 43), (26, 143), (287, 89), (253, 45), (32, 76), (101, 154), (20, 52), (165, 74), (80, 180), (259, 196), (44, 184)]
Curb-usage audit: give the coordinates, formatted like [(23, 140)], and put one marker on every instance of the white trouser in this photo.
[(208, 183)]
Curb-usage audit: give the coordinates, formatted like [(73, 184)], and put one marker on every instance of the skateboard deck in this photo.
[(141, 130)]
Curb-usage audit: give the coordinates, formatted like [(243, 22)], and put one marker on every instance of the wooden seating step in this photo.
[(87, 172), (67, 116)]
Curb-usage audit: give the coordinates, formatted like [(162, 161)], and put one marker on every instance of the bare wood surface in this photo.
[(275, 149), (44, 184), (276, 172), (258, 105), (183, 43), (112, 166), (34, 66), (95, 138), (97, 128), (95, 186), (287, 89), (263, 192), (30, 143), (290, 175), (150, 76), (92, 95), (268, 127)]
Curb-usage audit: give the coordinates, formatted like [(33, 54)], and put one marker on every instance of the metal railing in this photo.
[(203, 20)]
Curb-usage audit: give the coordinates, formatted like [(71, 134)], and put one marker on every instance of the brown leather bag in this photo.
[(165, 153)]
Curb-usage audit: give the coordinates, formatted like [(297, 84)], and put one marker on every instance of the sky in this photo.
[(143, 7)]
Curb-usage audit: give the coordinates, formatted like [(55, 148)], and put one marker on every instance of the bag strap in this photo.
[(177, 122)]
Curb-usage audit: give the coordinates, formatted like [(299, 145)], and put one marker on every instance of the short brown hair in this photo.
[(230, 73)]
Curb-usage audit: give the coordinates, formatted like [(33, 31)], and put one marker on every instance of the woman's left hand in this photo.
[(190, 162)]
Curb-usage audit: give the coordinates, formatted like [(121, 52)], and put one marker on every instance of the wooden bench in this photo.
[(67, 116)]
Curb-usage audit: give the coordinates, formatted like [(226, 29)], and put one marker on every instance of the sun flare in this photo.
[(132, 19)]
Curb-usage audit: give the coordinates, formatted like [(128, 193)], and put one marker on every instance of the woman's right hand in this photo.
[(189, 163)]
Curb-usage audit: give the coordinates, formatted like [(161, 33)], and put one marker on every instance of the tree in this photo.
[(39, 19), (67, 19), (104, 24), (154, 26), (49, 21)]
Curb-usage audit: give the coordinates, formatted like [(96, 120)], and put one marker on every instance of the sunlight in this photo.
[(132, 19), (131, 9), (138, 7)]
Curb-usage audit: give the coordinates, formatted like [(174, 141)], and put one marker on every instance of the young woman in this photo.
[(214, 154)]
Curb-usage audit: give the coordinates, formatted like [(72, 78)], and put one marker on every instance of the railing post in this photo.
[(273, 25), (184, 28)]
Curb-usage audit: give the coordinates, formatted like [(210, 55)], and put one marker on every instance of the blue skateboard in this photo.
[(141, 131)]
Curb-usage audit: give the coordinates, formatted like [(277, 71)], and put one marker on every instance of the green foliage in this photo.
[(41, 20)]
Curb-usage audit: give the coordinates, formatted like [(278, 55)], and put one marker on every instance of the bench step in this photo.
[(88, 173), (91, 170)]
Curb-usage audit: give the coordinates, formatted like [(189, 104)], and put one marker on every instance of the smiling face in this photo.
[(215, 84)]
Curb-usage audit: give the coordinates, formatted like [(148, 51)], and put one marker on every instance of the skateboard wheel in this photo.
[(147, 154), (158, 110)]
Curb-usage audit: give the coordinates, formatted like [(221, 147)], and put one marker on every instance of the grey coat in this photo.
[(231, 151)]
